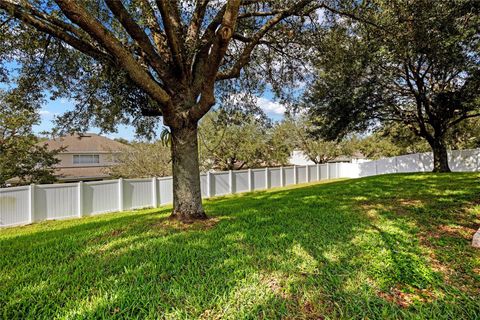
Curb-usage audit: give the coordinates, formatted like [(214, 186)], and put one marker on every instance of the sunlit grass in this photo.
[(393, 246)]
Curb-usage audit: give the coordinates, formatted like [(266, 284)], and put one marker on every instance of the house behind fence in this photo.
[(84, 156), (24, 205)]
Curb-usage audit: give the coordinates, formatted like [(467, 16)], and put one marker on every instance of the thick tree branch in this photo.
[(212, 63), (173, 29), (464, 117), (244, 57), (78, 15), (25, 15), (193, 32), (139, 36), (158, 36)]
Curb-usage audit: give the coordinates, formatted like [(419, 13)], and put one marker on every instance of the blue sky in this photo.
[(57, 107), (52, 108)]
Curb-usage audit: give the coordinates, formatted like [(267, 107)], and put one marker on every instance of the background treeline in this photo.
[(240, 141)]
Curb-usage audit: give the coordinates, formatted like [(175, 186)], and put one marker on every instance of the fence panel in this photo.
[(275, 178), (408, 163), (240, 180), (324, 172), (56, 201), (137, 193), (259, 179), (385, 166), (100, 197), (333, 170), (14, 206), (166, 190), (348, 170), (302, 174), (221, 183), (426, 161), (289, 175), (203, 185), (367, 169), (312, 173), (464, 160)]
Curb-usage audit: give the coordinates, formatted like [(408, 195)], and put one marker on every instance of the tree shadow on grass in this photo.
[(299, 253)]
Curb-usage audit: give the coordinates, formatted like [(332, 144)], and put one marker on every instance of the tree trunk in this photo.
[(187, 197), (440, 155)]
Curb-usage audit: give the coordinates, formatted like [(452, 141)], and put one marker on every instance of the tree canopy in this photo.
[(22, 159), (415, 63)]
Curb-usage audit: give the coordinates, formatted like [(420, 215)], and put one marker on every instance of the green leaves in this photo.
[(144, 160), (416, 65), (238, 140), (22, 158)]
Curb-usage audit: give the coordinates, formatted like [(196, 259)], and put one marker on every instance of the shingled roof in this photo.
[(88, 142)]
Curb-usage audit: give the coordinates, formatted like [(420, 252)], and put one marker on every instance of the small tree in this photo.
[(21, 156), (298, 135), (143, 160), (415, 63), (390, 141), (237, 141)]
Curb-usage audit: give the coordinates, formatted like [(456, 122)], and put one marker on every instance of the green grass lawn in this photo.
[(392, 246)]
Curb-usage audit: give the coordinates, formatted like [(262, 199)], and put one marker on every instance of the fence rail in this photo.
[(27, 204)]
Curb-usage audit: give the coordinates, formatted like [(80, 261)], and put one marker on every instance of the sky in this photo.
[(274, 110)]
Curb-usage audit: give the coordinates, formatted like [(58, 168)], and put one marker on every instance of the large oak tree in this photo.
[(132, 61), (417, 63)]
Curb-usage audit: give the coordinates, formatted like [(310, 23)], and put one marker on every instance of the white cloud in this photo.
[(45, 113), (270, 107)]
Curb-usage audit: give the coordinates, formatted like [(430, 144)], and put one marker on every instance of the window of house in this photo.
[(86, 159)]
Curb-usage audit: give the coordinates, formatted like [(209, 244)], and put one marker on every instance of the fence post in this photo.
[(396, 165), (267, 180), (250, 180), (318, 172), (31, 203), (328, 171), (422, 166), (209, 185), (80, 199), (478, 160), (376, 170), (282, 178), (337, 165), (295, 178), (120, 194), (154, 192), (231, 187), (307, 173)]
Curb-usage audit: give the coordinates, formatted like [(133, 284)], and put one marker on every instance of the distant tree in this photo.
[(143, 160), (21, 157), (236, 141), (389, 141), (298, 135), (416, 63), (466, 135)]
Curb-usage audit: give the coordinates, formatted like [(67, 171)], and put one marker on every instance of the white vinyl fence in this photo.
[(24, 205)]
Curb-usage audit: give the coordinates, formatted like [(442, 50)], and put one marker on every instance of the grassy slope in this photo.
[(394, 246)]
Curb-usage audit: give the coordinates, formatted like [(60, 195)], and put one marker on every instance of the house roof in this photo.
[(84, 173), (87, 142)]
